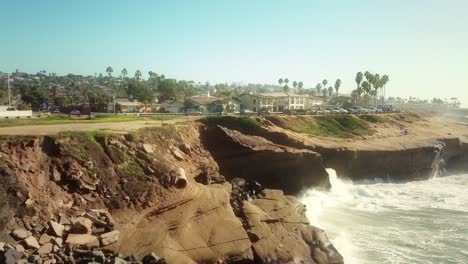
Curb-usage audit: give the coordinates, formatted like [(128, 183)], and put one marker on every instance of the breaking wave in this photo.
[(376, 222)]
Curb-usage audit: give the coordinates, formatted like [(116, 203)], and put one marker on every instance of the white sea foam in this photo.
[(375, 222)]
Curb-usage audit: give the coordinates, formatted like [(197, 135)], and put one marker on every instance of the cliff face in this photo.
[(440, 155), (136, 177), (274, 166)]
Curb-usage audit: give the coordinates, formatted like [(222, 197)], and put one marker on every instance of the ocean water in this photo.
[(377, 222)]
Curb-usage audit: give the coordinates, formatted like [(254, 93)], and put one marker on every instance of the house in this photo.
[(125, 105), (172, 106), (278, 102), (213, 104)]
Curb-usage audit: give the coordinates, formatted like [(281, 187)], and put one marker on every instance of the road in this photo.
[(116, 127)]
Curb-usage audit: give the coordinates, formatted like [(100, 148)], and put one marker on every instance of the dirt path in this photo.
[(116, 127)]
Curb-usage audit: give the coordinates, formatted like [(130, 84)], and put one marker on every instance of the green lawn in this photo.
[(57, 120), (342, 126)]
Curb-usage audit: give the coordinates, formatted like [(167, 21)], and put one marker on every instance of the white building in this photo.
[(278, 102)]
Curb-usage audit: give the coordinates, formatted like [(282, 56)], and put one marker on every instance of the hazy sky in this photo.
[(421, 44)]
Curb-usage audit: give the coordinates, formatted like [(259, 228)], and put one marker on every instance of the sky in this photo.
[(421, 44)]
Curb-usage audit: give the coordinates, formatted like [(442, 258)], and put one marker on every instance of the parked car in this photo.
[(75, 112), (246, 112), (341, 110), (374, 110), (332, 110), (387, 108), (323, 112), (357, 110), (190, 112), (264, 111)]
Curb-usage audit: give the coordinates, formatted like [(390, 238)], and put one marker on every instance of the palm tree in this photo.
[(138, 74), (318, 88), (385, 80), (330, 91), (300, 85), (124, 73), (294, 85), (366, 87), (280, 81), (376, 82), (337, 86), (324, 92), (286, 81), (324, 82), (109, 71), (358, 79)]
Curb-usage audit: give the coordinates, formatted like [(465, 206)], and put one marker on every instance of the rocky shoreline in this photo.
[(204, 193)]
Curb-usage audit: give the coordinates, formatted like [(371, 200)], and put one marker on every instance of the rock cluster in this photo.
[(69, 239)]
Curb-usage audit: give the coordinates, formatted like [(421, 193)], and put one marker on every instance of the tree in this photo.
[(366, 87), (330, 91), (324, 92), (140, 91), (337, 86), (138, 74), (318, 88), (286, 88), (300, 85), (286, 81), (109, 71), (124, 73), (324, 83), (358, 79), (385, 80), (280, 81), (294, 85)]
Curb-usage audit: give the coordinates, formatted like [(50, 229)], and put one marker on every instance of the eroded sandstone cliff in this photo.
[(60, 188)]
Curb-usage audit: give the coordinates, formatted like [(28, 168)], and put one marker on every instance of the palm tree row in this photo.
[(373, 86), (321, 88), (296, 85)]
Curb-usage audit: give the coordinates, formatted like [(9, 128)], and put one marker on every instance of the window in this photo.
[(254, 101)]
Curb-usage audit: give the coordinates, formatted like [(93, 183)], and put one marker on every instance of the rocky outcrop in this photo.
[(272, 165), (280, 232)]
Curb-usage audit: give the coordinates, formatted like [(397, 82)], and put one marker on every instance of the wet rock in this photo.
[(31, 242), (82, 240), (320, 257), (12, 256), (109, 238), (45, 249), (45, 238), (20, 234), (82, 225), (56, 228)]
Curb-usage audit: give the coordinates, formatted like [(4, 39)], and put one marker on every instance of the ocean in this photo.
[(378, 222)]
